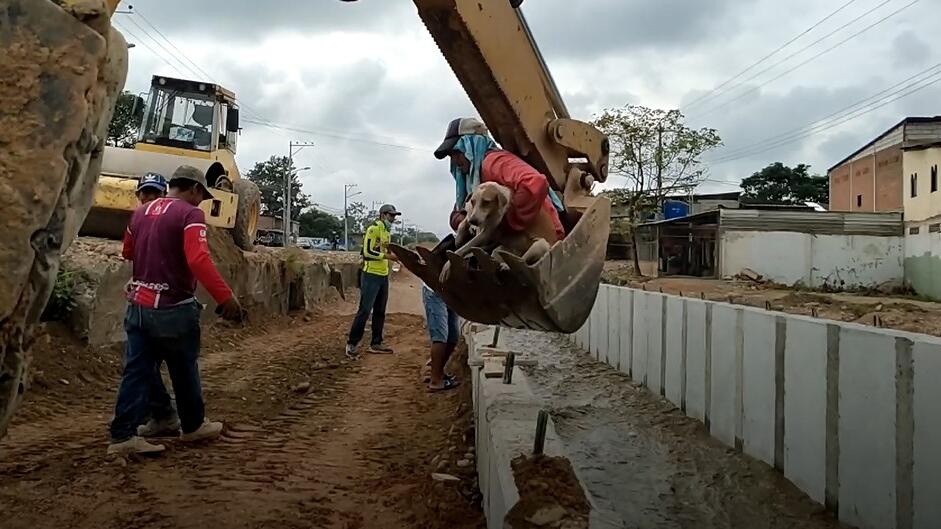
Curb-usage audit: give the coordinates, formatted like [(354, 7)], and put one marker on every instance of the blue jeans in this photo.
[(168, 335), (442, 322), (373, 296)]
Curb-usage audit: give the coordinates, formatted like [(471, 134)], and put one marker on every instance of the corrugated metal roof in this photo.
[(820, 222), (902, 124)]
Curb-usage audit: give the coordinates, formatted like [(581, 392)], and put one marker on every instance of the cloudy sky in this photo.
[(365, 82)]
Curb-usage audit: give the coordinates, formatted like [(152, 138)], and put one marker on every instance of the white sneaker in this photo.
[(165, 428), (134, 445), (208, 430), (351, 352)]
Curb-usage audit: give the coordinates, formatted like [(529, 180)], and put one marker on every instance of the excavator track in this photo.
[(555, 294)]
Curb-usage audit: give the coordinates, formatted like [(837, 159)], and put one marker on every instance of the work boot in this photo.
[(380, 349), (134, 445), (208, 430), (169, 427), (351, 352)]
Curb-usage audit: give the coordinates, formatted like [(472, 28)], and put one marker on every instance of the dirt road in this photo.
[(311, 441)]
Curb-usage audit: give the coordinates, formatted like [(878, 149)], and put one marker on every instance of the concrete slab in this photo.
[(758, 384), (638, 370), (580, 338), (927, 437), (697, 338), (625, 298), (612, 352), (867, 470), (655, 306), (724, 412), (675, 350), (805, 413), (599, 324)]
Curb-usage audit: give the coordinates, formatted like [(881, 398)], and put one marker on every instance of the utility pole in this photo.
[(346, 213), (660, 167), (293, 148)]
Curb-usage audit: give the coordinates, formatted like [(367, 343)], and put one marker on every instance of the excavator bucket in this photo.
[(555, 294)]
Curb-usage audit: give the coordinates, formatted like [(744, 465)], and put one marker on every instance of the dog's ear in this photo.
[(503, 198)]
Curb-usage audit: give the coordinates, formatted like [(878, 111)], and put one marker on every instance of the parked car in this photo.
[(272, 238), (305, 243)]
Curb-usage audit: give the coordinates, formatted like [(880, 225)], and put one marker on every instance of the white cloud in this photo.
[(370, 71)]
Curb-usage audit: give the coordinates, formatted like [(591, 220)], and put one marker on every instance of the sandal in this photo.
[(449, 383), (447, 376)]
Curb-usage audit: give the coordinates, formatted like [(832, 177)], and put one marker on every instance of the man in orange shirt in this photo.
[(475, 158)]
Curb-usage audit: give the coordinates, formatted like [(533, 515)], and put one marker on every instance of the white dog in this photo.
[(483, 228)]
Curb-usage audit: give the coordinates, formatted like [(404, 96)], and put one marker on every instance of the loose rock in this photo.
[(547, 515)]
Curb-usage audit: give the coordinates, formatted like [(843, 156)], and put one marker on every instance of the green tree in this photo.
[(317, 223), (125, 123), (656, 153), (792, 185), (357, 217), (270, 177)]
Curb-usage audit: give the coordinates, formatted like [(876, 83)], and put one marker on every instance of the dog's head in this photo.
[(488, 205)]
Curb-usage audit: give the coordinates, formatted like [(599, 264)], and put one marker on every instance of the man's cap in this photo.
[(390, 209), (188, 172), (457, 128), (152, 180)]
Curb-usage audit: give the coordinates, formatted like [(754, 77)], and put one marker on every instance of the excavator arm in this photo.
[(493, 54), (492, 51)]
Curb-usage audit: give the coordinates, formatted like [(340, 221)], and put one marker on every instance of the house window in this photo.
[(859, 201), (934, 228), (913, 230), (934, 178), (914, 185)]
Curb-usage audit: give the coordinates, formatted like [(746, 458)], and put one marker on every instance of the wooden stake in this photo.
[(542, 421)]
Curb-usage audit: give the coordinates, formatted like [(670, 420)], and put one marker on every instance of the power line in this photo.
[(144, 44), (805, 48), (314, 132), (822, 123), (258, 119), (160, 44), (194, 70), (831, 48), (170, 42), (768, 56), (911, 89)]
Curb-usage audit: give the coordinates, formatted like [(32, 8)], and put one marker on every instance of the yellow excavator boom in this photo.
[(492, 51)]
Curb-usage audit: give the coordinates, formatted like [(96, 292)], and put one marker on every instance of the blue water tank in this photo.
[(673, 209)]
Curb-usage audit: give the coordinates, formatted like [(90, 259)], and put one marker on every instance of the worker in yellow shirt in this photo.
[(374, 284)]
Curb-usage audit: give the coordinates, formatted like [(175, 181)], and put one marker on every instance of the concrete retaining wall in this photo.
[(850, 414), (505, 425)]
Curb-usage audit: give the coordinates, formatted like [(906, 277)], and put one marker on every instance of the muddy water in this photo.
[(646, 465)]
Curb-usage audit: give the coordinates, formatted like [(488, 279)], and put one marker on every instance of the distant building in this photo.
[(922, 204), (790, 245), (873, 177)]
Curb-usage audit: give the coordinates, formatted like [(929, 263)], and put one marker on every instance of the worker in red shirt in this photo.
[(166, 240), (475, 158)]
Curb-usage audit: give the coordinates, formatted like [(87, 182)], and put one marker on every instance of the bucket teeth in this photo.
[(485, 262), (519, 268)]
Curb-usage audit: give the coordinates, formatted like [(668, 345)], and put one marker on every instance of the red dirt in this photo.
[(548, 488), (354, 451)]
